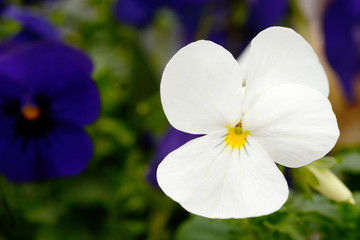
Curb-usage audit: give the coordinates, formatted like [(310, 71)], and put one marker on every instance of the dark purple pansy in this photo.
[(173, 140), (34, 27), (342, 40), (47, 96), (136, 12)]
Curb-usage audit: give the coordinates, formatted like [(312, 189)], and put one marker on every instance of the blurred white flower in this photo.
[(282, 115)]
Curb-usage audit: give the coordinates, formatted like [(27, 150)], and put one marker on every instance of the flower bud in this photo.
[(330, 185)]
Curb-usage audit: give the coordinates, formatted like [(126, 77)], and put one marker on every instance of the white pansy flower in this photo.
[(282, 115)]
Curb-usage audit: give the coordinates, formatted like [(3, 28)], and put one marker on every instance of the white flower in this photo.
[(282, 115)]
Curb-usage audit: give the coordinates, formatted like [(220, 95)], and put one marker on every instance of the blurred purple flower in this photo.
[(30, 2), (136, 12), (261, 15), (210, 16), (264, 14), (342, 40), (173, 140), (210, 19), (2, 5), (46, 97), (140, 13), (34, 28)]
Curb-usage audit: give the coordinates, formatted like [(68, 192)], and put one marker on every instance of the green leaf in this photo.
[(327, 162), (116, 129), (291, 225), (350, 163), (199, 228), (320, 205), (47, 214), (9, 28), (303, 179)]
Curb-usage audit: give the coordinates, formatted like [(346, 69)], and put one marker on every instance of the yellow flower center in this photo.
[(31, 112), (236, 137)]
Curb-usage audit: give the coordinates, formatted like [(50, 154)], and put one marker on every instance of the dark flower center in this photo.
[(31, 112), (29, 119)]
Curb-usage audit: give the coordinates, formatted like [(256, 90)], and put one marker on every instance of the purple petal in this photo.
[(29, 2), (79, 103), (34, 28), (192, 1), (2, 6), (58, 73), (136, 12), (264, 13), (173, 140), (64, 152), (9, 91), (191, 15), (342, 40)]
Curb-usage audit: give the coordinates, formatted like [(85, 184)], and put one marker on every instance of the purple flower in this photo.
[(2, 5), (261, 15), (210, 19), (202, 19), (30, 2), (173, 140), (34, 28), (136, 12), (140, 13), (46, 97), (342, 39), (215, 17), (264, 14)]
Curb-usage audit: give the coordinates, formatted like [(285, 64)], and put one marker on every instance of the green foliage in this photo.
[(303, 180), (350, 163), (299, 219), (199, 228), (327, 162), (8, 28)]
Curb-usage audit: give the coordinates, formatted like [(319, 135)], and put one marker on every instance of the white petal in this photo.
[(295, 124), (211, 180), (280, 55), (201, 88)]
